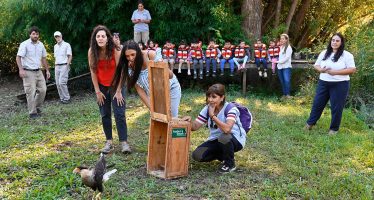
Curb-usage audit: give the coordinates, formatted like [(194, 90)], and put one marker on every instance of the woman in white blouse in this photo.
[(284, 65), (335, 65)]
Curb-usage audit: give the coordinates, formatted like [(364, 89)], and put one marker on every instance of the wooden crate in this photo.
[(168, 149), (169, 139)]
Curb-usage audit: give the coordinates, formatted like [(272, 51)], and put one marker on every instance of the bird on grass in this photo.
[(95, 177)]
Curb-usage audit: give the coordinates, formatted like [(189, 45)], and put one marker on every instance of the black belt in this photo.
[(61, 64), (34, 70)]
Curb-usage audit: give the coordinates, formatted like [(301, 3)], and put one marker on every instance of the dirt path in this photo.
[(10, 86)]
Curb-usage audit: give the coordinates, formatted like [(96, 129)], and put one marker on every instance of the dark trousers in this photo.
[(119, 114), (337, 93), (258, 62), (211, 60), (285, 80), (221, 149)]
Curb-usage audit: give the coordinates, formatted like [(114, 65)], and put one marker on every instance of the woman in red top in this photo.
[(103, 57)]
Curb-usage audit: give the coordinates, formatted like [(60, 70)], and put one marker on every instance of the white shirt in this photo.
[(61, 52), (345, 61), (285, 58), (31, 54)]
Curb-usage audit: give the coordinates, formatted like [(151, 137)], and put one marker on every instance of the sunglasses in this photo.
[(116, 34)]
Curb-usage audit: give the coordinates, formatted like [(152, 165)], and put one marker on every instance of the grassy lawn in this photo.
[(280, 161)]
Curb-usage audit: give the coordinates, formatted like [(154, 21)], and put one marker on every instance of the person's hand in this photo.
[(211, 110), (324, 69), (186, 118), (48, 74), (22, 73), (331, 72), (100, 97), (119, 97)]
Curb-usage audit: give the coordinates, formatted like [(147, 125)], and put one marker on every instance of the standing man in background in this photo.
[(31, 55), (141, 18), (63, 56)]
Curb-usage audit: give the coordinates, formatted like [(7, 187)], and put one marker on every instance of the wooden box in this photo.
[(169, 138)]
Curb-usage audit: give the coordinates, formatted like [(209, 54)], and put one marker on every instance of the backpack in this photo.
[(245, 116)]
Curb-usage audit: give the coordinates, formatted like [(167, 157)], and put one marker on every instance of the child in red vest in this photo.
[(212, 55), (260, 57), (168, 54), (242, 54), (273, 54), (227, 55), (183, 57), (197, 56)]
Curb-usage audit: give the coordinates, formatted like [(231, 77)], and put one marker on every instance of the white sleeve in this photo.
[(68, 50), (44, 52), (22, 50), (203, 116), (349, 60), (320, 57), (288, 55)]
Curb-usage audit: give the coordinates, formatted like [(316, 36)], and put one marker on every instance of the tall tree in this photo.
[(291, 14), (252, 11), (277, 14)]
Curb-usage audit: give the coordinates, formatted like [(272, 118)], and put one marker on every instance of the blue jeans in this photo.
[(195, 61), (258, 62), (211, 60), (337, 93), (285, 80), (241, 60), (119, 114), (231, 62)]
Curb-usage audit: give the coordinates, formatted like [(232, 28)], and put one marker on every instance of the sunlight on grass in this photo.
[(280, 159)]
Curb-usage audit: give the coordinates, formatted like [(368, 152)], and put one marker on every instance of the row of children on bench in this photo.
[(195, 55)]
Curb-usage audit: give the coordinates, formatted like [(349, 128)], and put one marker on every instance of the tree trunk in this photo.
[(291, 14), (277, 14), (268, 14), (295, 30), (252, 18)]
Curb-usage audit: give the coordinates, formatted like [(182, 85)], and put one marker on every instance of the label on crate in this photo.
[(178, 132)]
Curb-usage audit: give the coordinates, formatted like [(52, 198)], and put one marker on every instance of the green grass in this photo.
[(280, 160)]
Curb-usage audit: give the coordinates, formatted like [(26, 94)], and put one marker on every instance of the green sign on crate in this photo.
[(179, 132)]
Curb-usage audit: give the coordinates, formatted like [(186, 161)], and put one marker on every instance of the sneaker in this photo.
[(260, 73), (201, 76), (107, 148), (179, 71), (332, 132), (308, 127), (34, 115), (125, 147), (265, 74), (226, 169), (65, 101), (194, 76), (189, 73), (214, 74), (231, 73), (207, 73), (221, 74)]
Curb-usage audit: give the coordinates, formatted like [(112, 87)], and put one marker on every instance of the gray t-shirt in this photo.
[(143, 15)]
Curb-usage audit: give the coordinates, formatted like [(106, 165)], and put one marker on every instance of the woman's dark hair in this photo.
[(217, 89), (34, 28), (122, 75), (340, 49), (95, 48), (143, 46)]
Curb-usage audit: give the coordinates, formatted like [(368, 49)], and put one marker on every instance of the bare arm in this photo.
[(99, 95), (143, 96), (70, 57), (22, 72), (45, 64)]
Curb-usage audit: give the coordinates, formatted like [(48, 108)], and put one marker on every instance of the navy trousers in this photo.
[(337, 93)]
